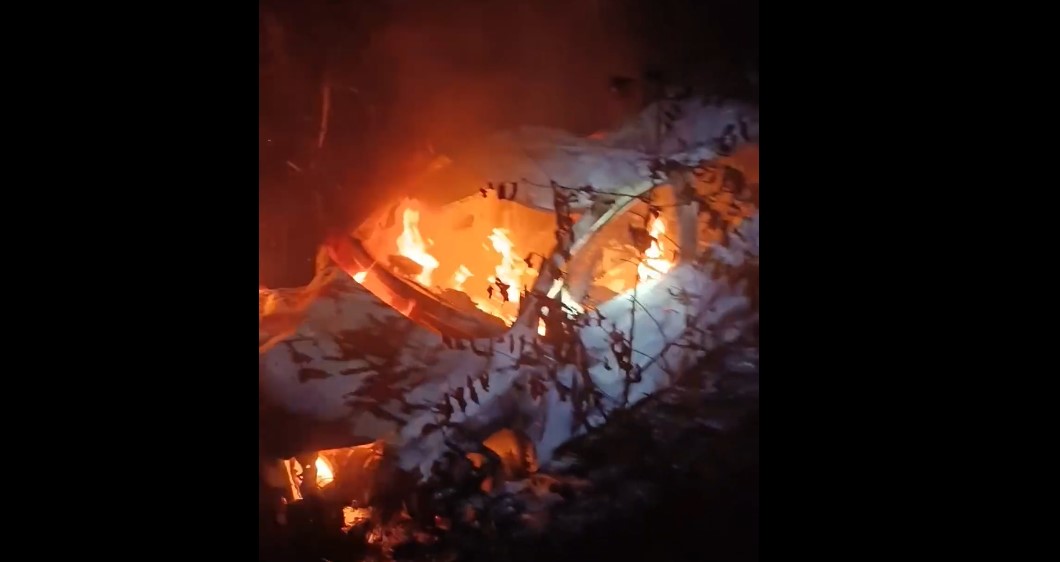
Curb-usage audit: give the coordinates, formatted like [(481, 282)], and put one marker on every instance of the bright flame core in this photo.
[(324, 474), (461, 275), (654, 265), (509, 271), (410, 244)]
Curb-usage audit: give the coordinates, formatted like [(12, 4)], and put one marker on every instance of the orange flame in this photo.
[(509, 271), (359, 277), (410, 244), (653, 266), (513, 271), (324, 474)]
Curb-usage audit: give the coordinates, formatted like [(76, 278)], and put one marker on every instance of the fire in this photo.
[(324, 474), (410, 244), (509, 271), (503, 269), (654, 265), (461, 275), (354, 515), (359, 277)]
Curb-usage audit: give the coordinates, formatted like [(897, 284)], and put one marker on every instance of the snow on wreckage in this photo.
[(577, 277)]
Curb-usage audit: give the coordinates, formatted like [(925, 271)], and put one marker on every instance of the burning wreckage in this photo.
[(577, 277)]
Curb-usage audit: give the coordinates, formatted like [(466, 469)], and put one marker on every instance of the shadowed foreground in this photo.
[(673, 478)]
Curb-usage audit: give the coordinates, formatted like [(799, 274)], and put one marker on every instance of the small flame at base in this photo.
[(653, 266)]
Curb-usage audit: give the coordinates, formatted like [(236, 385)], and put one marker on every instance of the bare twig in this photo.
[(584, 189)]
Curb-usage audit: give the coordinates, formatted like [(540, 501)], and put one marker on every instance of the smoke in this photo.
[(450, 72), (457, 70)]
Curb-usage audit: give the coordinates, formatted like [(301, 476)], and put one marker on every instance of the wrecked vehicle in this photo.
[(575, 277)]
